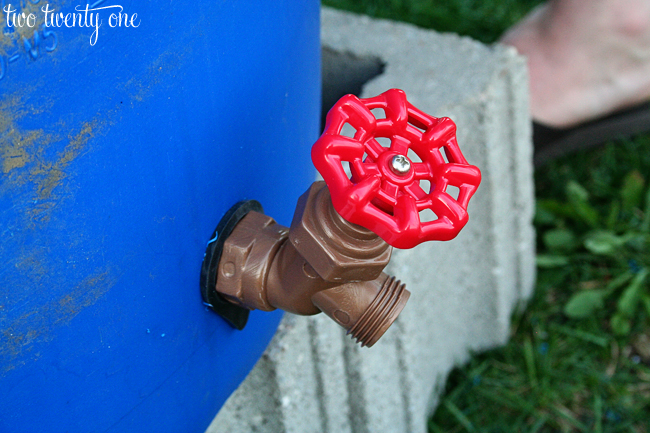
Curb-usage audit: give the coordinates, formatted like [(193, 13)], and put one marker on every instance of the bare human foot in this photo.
[(586, 58)]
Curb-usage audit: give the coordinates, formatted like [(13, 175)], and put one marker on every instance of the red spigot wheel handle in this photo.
[(386, 189)]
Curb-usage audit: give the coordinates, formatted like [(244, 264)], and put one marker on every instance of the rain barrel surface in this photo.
[(118, 159)]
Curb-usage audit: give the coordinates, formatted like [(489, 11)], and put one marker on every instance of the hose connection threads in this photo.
[(364, 308), (381, 313)]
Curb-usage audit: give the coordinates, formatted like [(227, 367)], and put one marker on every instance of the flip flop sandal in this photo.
[(551, 143)]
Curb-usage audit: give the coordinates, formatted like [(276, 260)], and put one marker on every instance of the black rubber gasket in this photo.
[(235, 315)]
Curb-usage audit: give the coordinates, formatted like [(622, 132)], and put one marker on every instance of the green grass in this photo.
[(579, 357), (482, 20)]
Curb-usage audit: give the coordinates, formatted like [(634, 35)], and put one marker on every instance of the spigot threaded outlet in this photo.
[(383, 311), (366, 309)]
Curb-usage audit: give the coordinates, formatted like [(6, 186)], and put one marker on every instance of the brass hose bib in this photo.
[(331, 259)]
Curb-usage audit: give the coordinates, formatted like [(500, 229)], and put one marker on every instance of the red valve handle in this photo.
[(384, 192)]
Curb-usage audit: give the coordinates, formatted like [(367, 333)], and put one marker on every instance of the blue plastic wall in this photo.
[(118, 160)]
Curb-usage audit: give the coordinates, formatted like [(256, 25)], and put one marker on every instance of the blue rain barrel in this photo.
[(118, 160)]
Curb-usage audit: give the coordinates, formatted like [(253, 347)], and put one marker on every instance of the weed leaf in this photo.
[(632, 190), (559, 239), (546, 261), (583, 304), (579, 200), (620, 325), (603, 242), (630, 297)]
